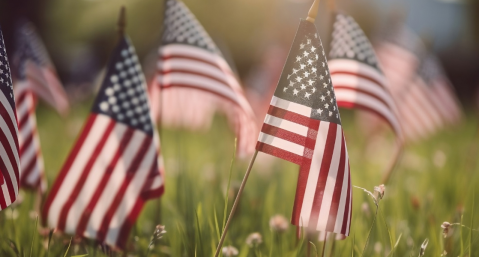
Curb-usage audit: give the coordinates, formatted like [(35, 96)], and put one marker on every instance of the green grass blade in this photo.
[(83, 255), (352, 245), (472, 225), (228, 188), (462, 239), (50, 235), (33, 236), (199, 230), (68, 248), (217, 228)]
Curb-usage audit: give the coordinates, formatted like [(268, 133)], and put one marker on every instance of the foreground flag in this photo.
[(303, 126), (114, 166), (400, 56), (189, 61), (357, 78), (33, 73), (9, 157)]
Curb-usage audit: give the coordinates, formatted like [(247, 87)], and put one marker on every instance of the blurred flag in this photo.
[(400, 56), (114, 167), (189, 61), (37, 70), (357, 78), (303, 126), (9, 154)]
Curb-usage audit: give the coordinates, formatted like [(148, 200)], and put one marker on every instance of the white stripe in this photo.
[(29, 154), (6, 194), (97, 171), (190, 51), (131, 196), (286, 125), (8, 165), (113, 185), (96, 133), (192, 66), (34, 175), (291, 106), (330, 182), (313, 176), (340, 219), (198, 81), (23, 108), (281, 144), (11, 115), (355, 67)]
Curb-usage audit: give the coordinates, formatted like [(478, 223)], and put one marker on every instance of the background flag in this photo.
[(303, 126), (9, 156), (189, 61), (114, 166), (357, 78)]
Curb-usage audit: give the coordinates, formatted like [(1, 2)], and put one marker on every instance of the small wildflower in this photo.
[(423, 247), (229, 251), (378, 247), (380, 191), (159, 232), (11, 214), (254, 239), (444, 253), (445, 228), (278, 223)]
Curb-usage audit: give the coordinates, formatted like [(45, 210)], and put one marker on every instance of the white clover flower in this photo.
[(380, 191), (278, 223), (229, 251), (254, 239)]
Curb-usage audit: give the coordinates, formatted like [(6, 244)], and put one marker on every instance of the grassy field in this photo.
[(435, 182)]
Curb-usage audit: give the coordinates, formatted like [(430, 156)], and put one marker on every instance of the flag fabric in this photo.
[(114, 167), (357, 78), (190, 60), (9, 153), (303, 126), (36, 69), (400, 54)]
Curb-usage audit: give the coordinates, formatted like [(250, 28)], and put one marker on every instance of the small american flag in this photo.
[(400, 55), (303, 126), (357, 78), (190, 60), (114, 167), (9, 155), (33, 72)]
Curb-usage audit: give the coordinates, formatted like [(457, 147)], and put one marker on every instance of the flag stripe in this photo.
[(280, 153), (287, 135), (337, 190)]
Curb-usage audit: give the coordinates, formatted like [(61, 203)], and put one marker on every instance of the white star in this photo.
[(1, 71), (1, 63), (317, 57), (291, 83), (319, 111), (303, 87), (298, 58), (314, 90), (323, 64), (330, 113), (307, 95), (316, 35), (306, 74), (305, 54), (284, 89), (295, 92), (314, 69), (1, 80), (289, 76), (303, 66), (326, 72), (313, 49), (310, 82), (295, 71), (328, 92), (309, 41), (298, 79), (323, 53), (310, 62), (331, 100), (301, 46), (326, 106), (325, 85), (334, 108), (323, 98)]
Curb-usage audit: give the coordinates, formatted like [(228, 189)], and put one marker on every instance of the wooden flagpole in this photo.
[(235, 204), (121, 25)]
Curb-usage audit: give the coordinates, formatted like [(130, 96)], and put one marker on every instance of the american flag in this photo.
[(190, 60), (303, 126), (400, 55), (9, 154), (114, 167), (357, 78), (31, 58)]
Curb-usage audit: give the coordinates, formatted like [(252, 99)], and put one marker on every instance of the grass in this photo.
[(434, 182)]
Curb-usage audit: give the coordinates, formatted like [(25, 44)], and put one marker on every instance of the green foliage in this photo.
[(434, 182)]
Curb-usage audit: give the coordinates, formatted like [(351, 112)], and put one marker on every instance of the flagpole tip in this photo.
[(313, 11), (122, 21)]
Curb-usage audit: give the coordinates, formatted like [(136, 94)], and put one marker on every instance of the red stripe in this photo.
[(125, 229), (323, 174), (371, 94), (118, 197), (181, 72), (3, 203), (338, 189), (21, 97), (11, 126), (363, 76), (11, 157), (8, 182), (283, 134), (349, 202), (26, 116), (103, 182), (26, 172), (214, 64), (280, 153), (166, 86), (291, 116), (28, 141), (66, 167), (84, 175)]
